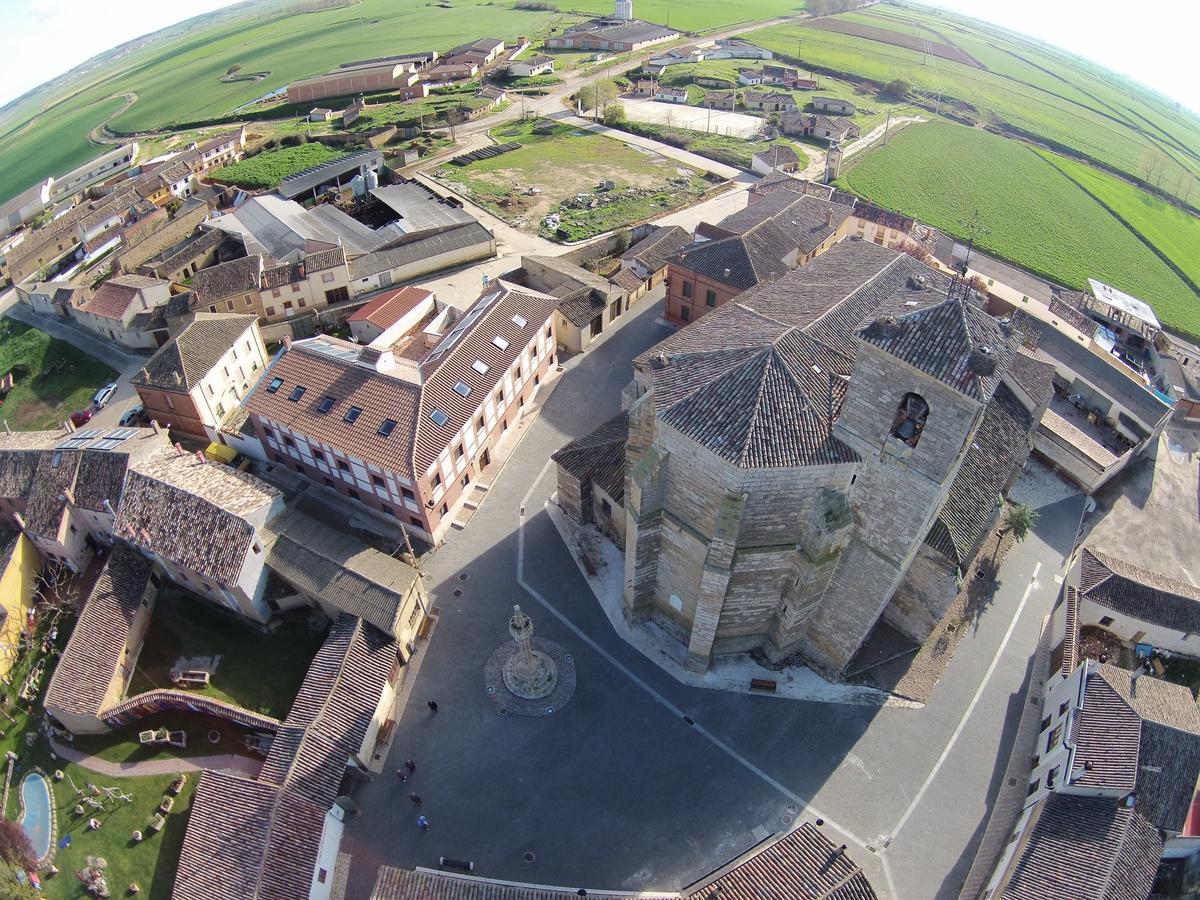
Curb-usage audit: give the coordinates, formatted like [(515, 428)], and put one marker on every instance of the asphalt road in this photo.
[(617, 789)]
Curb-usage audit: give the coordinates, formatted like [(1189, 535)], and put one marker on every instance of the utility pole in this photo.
[(887, 126)]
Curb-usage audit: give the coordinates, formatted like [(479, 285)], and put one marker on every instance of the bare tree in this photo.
[(15, 846)]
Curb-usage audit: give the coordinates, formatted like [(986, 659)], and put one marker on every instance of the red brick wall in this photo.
[(697, 304), (184, 417)]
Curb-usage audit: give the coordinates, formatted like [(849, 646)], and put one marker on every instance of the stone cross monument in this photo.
[(528, 673)]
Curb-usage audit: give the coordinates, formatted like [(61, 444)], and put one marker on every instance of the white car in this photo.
[(132, 415), (104, 395)]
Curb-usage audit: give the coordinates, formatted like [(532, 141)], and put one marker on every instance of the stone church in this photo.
[(825, 451)]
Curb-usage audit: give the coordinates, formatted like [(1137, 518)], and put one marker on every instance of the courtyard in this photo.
[(51, 378), (640, 782), (545, 185)]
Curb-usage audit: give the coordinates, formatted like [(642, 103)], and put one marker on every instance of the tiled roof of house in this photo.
[(955, 342), (1087, 848), (182, 362), (768, 97), (101, 477), (1133, 591), (194, 513), (47, 500), (804, 865), (340, 569), (999, 447), (392, 883), (599, 456), (175, 257), (238, 276), (81, 680), (259, 839), (1033, 376), (581, 305), (493, 315), (248, 839), (778, 155), (1106, 735), (627, 280), (655, 248), (112, 299), (388, 308)]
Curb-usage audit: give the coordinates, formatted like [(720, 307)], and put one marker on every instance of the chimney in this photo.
[(178, 449), (828, 216), (200, 456), (20, 520), (287, 342), (726, 273), (157, 428), (68, 426), (69, 495), (145, 535), (108, 507)]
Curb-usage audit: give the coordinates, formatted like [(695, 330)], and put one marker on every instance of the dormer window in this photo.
[(910, 418)]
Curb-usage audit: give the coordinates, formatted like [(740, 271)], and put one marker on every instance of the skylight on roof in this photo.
[(500, 342), (352, 413), (326, 404), (386, 427), (297, 393), (439, 417), (520, 321), (461, 388), (276, 384), (480, 366)]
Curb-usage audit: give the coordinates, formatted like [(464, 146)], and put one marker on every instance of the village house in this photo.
[(647, 258), (200, 376), (616, 34), (273, 293), (777, 158), (587, 301), (24, 207), (104, 166), (408, 429), (144, 239), (706, 478), (182, 260), (755, 245), (671, 94), (53, 298), (391, 314), (836, 105), (481, 52), (726, 100), (61, 489), (750, 77), (493, 95), (461, 70), (768, 101), (369, 78), (815, 125), (113, 309)]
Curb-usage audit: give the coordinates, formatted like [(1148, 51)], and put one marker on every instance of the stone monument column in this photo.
[(528, 673)]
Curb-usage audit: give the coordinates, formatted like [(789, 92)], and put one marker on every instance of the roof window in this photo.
[(480, 366), (296, 393), (520, 321), (461, 388), (386, 427), (276, 384), (326, 404), (500, 342), (439, 417), (352, 413)]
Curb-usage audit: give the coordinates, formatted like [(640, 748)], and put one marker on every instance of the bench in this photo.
[(763, 685)]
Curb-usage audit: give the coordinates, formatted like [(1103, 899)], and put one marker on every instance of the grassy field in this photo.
[(265, 170), (259, 672), (1027, 85), (1028, 212), (53, 379), (565, 162), (1172, 231), (699, 15), (178, 80), (731, 151)]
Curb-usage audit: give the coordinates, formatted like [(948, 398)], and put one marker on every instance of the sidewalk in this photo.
[(241, 765)]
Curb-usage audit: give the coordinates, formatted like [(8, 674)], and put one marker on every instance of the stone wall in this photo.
[(926, 592), (187, 220)]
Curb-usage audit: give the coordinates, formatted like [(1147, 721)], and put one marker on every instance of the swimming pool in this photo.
[(35, 798)]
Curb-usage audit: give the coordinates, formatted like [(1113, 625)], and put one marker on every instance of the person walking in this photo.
[(415, 798), (433, 706), (422, 823), (410, 765), (401, 775)]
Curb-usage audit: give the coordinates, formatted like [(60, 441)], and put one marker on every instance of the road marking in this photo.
[(962, 723), (667, 704)]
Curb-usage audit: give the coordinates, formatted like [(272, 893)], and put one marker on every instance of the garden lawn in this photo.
[(152, 863), (257, 671), (53, 379), (1175, 233), (1028, 212), (265, 170)]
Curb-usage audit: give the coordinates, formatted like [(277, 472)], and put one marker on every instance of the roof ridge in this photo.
[(878, 274), (772, 356)]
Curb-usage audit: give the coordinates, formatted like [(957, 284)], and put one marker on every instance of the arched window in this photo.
[(910, 419)]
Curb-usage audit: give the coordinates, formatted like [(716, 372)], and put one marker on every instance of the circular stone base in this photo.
[(531, 685), (509, 703)]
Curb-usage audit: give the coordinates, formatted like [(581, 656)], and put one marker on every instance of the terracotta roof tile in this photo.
[(390, 307), (182, 362), (599, 456)]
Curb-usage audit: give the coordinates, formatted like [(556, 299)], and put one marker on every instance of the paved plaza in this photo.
[(641, 782)]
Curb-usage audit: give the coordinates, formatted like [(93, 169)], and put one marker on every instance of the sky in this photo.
[(1153, 42)]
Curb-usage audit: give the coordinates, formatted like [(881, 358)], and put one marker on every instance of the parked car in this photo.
[(104, 395), (133, 415), (81, 418)]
